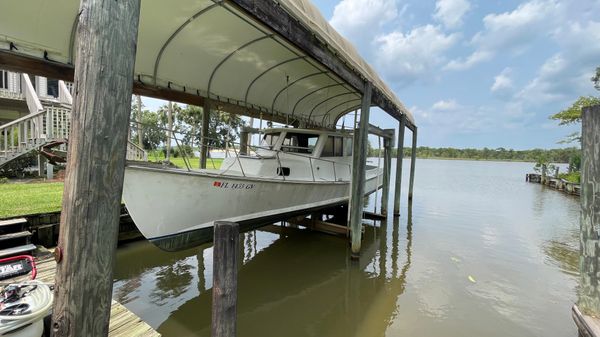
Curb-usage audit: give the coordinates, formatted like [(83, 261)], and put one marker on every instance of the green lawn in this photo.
[(29, 198), (157, 156)]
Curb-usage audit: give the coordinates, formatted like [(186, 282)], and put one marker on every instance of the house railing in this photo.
[(34, 130), (33, 102)]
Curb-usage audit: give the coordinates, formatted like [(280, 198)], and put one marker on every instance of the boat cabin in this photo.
[(296, 154), (315, 143)]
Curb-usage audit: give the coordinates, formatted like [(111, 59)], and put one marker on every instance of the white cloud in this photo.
[(566, 74), (503, 83), (451, 12), (357, 19), (448, 114), (513, 31), (443, 105), (406, 57), (473, 59)]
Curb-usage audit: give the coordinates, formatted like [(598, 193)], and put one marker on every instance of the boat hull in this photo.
[(176, 209)]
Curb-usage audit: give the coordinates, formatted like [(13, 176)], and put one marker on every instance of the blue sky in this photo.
[(477, 74)]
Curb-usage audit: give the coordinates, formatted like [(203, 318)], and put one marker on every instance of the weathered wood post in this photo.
[(357, 186), (413, 161), (169, 132), (544, 169), (204, 134), (225, 273), (399, 158), (106, 47), (387, 169), (139, 121), (244, 141), (589, 289)]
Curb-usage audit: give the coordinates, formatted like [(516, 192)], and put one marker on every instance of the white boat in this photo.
[(292, 172), (23, 307)]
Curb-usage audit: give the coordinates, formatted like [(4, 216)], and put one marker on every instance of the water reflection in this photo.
[(302, 283), (517, 241)]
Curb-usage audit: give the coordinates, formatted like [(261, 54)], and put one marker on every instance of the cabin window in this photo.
[(270, 139), (337, 147), (299, 142), (347, 147), (333, 147)]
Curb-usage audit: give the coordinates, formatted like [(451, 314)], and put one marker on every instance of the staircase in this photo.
[(14, 238), (46, 123)]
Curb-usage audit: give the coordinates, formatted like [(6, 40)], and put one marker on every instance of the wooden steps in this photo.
[(14, 238), (15, 235), (17, 250), (13, 222)]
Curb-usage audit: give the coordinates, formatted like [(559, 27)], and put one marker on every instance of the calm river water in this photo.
[(481, 253)]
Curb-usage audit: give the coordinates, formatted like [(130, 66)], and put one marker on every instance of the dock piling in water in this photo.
[(225, 274), (413, 161), (387, 168), (357, 186), (399, 158)]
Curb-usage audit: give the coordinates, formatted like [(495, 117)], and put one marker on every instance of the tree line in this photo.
[(563, 155)]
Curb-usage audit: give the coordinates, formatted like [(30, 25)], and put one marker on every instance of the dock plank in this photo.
[(123, 323)]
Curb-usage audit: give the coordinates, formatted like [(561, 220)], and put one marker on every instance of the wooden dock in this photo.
[(555, 183), (588, 326), (123, 323)]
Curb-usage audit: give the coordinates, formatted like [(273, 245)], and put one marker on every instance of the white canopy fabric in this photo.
[(213, 49)]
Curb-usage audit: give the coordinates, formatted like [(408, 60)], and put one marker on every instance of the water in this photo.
[(480, 253)]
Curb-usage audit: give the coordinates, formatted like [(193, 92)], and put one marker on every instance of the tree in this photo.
[(223, 127), (596, 79), (153, 133), (572, 114)]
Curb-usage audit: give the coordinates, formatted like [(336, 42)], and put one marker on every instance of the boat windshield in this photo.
[(269, 140), (299, 142)]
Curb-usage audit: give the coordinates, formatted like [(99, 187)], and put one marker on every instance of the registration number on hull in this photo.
[(233, 186)]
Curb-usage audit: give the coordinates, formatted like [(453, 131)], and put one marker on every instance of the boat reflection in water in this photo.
[(292, 282)]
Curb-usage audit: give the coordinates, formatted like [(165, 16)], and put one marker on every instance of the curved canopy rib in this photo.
[(212, 75), (177, 31)]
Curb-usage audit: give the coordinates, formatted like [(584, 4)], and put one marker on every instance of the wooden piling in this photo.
[(225, 273), (139, 121), (387, 163), (204, 134), (243, 142), (169, 132), (413, 161), (357, 186), (399, 158), (589, 288), (105, 48)]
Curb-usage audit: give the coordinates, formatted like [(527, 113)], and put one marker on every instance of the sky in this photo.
[(477, 74)]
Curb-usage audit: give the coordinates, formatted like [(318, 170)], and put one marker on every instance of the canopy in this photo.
[(224, 51)]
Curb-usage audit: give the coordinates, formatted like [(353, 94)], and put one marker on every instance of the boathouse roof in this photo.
[(278, 60)]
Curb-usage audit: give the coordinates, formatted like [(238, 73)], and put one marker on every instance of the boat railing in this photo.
[(230, 148)]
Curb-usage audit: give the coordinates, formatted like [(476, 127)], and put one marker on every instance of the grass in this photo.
[(17, 199), (29, 198), (574, 177), (158, 156)]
